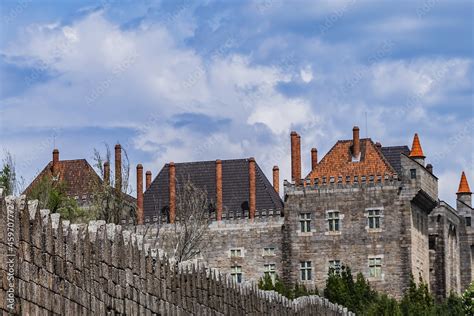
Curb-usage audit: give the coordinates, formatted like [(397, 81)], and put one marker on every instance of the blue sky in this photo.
[(184, 80)]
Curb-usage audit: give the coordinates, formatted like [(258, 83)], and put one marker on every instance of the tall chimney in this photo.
[(172, 189), (148, 179), (314, 158), (219, 189), (106, 173), (118, 168), (293, 138), (298, 159), (55, 166), (252, 189), (276, 179), (139, 194), (356, 142)]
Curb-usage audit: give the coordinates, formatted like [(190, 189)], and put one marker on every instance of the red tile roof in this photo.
[(416, 150)]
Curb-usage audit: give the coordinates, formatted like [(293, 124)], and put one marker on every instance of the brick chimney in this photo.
[(139, 194), (172, 191), (298, 159), (356, 143), (276, 179), (107, 173), (252, 189), (314, 158), (293, 138), (55, 166), (219, 189), (118, 168), (148, 179)]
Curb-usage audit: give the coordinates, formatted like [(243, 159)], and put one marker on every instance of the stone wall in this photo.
[(61, 268)]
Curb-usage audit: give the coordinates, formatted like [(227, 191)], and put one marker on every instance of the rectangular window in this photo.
[(371, 178), (331, 179), (324, 180), (339, 179), (305, 222), (270, 270), (269, 251), (348, 179), (333, 221), (356, 179), (468, 221), (363, 178), (236, 273), (374, 218), (413, 173), (335, 265), (375, 267), (235, 253), (305, 269), (379, 178)]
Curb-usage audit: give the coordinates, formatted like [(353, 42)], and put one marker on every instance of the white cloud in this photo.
[(306, 74)]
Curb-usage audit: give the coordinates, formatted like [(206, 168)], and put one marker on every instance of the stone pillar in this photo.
[(219, 189)]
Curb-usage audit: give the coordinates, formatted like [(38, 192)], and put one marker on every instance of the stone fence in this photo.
[(50, 266)]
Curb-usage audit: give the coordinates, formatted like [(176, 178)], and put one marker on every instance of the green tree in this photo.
[(417, 300), (8, 179), (468, 300)]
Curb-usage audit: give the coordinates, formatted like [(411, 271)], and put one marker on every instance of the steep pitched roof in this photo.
[(235, 186), (77, 175), (464, 185), (338, 162), (392, 154), (416, 150)]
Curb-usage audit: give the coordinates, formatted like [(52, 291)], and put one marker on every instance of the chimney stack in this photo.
[(139, 194), (429, 167), (219, 189), (55, 166), (252, 189), (118, 168), (293, 137), (314, 158), (298, 159), (148, 179), (378, 145), (107, 173), (356, 143), (276, 179), (172, 191)]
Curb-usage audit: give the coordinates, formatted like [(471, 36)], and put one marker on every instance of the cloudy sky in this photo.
[(183, 80)]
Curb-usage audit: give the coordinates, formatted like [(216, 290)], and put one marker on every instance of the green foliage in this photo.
[(267, 284), (468, 300), (7, 175), (52, 195), (417, 300)]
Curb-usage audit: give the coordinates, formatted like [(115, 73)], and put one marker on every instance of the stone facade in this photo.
[(59, 268)]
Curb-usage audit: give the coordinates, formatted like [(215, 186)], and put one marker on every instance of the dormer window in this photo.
[(348, 179), (324, 180), (356, 179), (363, 178), (339, 179), (331, 179)]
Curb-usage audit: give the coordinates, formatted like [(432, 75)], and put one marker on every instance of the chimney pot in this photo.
[(118, 168), (276, 179), (356, 142), (219, 189), (298, 159), (172, 191), (252, 189), (107, 173), (148, 179), (429, 167), (55, 162), (314, 158), (139, 194), (378, 145)]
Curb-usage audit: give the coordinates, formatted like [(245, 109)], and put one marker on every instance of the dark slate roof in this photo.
[(235, 186), (393, 155)]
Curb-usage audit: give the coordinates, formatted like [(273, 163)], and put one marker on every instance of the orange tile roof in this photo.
[(416, 151), (338, 162), (463, 185)]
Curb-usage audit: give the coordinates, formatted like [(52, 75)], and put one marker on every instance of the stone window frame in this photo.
[(380, 217), (304, 220), (413, 173), (270, 269), (335, 264), (339, 218), (236, 250), (236, 273), (306, 273), (268, 251), (374, 264)]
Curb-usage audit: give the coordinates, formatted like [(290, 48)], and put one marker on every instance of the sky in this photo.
[(204, 80)]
